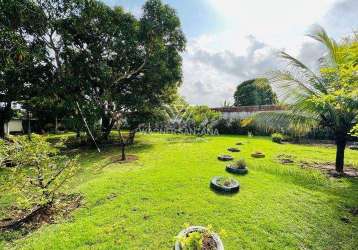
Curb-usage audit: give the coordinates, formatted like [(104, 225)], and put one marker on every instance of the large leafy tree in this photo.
[(328, 98), (23, 66), (254, 92), (122, 64)]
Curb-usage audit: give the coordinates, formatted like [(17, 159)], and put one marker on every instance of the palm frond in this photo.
[(291, 86), (312, 81), (321, 36), (285, 121)]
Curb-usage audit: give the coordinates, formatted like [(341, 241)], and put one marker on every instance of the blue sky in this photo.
[(230, 41), (197, 16)]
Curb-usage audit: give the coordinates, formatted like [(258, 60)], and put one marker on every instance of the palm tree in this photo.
[(327, 99)]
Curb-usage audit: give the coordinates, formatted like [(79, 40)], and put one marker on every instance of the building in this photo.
[(13, 126), (242, 112)]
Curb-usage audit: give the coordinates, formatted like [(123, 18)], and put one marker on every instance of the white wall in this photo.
[(235, 115), (13, 126)]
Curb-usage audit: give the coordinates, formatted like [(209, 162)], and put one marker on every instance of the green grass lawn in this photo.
[(144, 204)]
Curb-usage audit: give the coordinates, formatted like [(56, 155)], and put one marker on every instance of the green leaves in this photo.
[(254, 92), (39, 171)]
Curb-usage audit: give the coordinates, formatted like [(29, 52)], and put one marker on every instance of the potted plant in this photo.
[(233, 149), (258, 154), (225, 184), (225, 158), (238, 167), (198, 238)]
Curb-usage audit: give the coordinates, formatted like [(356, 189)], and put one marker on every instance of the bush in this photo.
[(39, 171), (238, 127), (277, 137)]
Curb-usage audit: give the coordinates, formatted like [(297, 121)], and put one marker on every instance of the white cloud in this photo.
[(211, 77), (253, 31)]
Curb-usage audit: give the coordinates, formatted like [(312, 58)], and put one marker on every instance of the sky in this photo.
[(230, 41)]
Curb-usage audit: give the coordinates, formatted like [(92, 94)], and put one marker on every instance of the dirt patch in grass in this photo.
[(25, 221), (118, 159), (330, 169), (286, 159)]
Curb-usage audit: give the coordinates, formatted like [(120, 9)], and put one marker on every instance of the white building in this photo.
[(13, 126)]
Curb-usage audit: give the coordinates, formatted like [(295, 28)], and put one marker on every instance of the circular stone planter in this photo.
[(258, 155), (214, 184), (225, 158), (233, 149), (189, 230), (234, 170)]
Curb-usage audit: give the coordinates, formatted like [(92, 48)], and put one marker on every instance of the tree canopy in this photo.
[(99, 59), (254, 92), (327, 99)]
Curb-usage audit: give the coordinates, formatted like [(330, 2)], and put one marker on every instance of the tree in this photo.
[(254, 92), (39, 173), (328, 99), (23, 66), (120, 63)]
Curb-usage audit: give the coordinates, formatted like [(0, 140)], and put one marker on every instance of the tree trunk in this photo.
[(2, 127), (107, 125), (78, 133), (5, 116), (123, 149), (56, 125), (131, 136), (28, 125), (341, 145)]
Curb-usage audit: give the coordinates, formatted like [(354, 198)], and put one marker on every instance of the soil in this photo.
[(329, 169), (285, 159), (209, 243), (118, 159), (29, 220)]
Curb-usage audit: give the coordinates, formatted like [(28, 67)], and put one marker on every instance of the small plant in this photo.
[(226, 181), (198, 240), (277, 137), (240, 164), (39, 170)]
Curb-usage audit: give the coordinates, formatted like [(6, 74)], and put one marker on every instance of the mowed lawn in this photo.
[(144, 204)]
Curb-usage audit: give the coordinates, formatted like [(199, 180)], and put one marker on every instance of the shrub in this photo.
[(198, 240), (277, 137), (240, 164), (226, 181), (39, 171)]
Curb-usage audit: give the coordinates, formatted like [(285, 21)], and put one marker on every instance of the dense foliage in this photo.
[(95, 63), (328, 99), (39, 171), (254, 92), (277, 137)]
